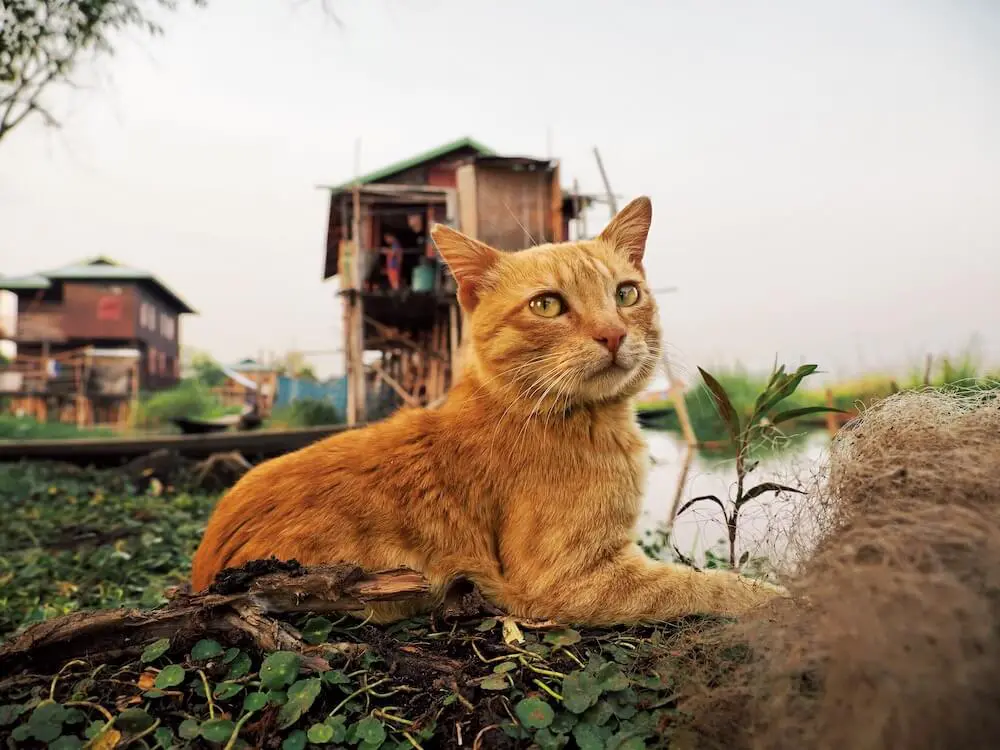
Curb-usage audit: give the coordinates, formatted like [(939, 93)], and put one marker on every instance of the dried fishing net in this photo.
[(892, 638)]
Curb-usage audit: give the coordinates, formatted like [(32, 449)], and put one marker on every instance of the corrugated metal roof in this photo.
[(415, 161), (99, 268)]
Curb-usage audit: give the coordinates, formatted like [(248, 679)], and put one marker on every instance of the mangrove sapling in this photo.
[(762, 421)]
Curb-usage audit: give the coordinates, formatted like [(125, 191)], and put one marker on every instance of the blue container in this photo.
[(423, 278)]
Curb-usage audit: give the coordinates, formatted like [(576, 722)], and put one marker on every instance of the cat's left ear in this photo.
[(629, 229), (468, 259)]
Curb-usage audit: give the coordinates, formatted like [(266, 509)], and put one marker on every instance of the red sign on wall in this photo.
[(110, 307)]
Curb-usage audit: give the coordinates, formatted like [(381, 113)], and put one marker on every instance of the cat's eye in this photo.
[(547, 305), (627, 295)]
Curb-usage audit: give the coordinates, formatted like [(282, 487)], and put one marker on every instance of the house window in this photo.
[(167, 326), (152, 360)]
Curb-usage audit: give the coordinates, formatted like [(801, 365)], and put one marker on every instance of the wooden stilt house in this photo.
[(402, 322)]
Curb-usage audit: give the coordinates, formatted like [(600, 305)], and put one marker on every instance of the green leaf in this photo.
[(505, 666), (189, 729), (760, 489), (488, 624), (134, 720), (280, 669), (46, 721), (534, 713), (316, 630), (782, 389), (784, 416), (21, 733), (611, 679), (600, 714), (231, 653), (301, 696), (723, 405), (254, 702), (66, 742), (335, 677), (565, 637), (169, 677), (370, 730), (295, 741), (155, 650), (624, 742), (94, 728), (164, 736), (580, 691), (226, 690), (495, 682), (205, 649), (239, 667), (10, 712), (217, 730), (320, 734), (563, 722), (587, 737), (339, 726), (546, 740)]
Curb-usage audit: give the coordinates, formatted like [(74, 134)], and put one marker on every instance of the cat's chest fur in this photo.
[(588, 461)]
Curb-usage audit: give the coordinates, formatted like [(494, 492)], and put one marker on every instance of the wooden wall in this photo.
[(107, 314), (510, 209)]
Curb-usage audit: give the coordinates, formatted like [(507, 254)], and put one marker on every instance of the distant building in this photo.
[(399, 300), (83, 322)]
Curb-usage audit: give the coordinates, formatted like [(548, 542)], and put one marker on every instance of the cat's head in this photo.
[(560, 324)]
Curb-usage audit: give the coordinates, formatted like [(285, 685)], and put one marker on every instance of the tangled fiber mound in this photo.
[(892, 637)]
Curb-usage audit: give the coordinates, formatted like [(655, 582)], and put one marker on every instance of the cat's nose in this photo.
[(611, 337)]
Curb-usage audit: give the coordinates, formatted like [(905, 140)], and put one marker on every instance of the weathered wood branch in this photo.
[(237, 605)]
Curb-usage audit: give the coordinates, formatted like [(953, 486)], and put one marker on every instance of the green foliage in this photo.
[(744, 432), (28, 428), (207, 371), (79, 539), (190, 398), (42, 41), (558, 688), (308, 412)]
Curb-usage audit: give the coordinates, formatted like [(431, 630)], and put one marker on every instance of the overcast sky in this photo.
[(825, 176)]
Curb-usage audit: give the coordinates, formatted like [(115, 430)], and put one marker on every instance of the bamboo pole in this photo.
[(612, 201), (395, 385), (357, 382), (677, 397)]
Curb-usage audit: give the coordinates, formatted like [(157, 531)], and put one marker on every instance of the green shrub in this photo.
[(188, 399), (307, 412)]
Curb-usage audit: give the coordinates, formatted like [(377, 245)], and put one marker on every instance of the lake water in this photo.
[(764, 522)]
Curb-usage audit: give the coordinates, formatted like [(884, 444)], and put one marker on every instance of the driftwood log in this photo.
[(240, 606)]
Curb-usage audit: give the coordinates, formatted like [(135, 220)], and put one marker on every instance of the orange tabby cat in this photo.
[(528, 480)]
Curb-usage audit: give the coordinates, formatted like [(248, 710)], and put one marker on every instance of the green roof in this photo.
[(415, 161), (98, 268), (17, 283)]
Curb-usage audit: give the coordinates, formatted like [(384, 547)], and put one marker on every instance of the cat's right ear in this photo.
[(468, 259)]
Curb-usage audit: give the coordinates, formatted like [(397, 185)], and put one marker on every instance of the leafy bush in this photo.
[(190, 398), (308, 412)]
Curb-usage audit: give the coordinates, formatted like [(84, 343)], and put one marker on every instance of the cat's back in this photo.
[(328, 484)]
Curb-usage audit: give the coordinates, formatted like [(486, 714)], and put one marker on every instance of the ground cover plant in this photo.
[(77, 539), (889, 640)]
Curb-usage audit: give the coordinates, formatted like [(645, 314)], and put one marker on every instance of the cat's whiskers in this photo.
[(534, 411), (522, 395)]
